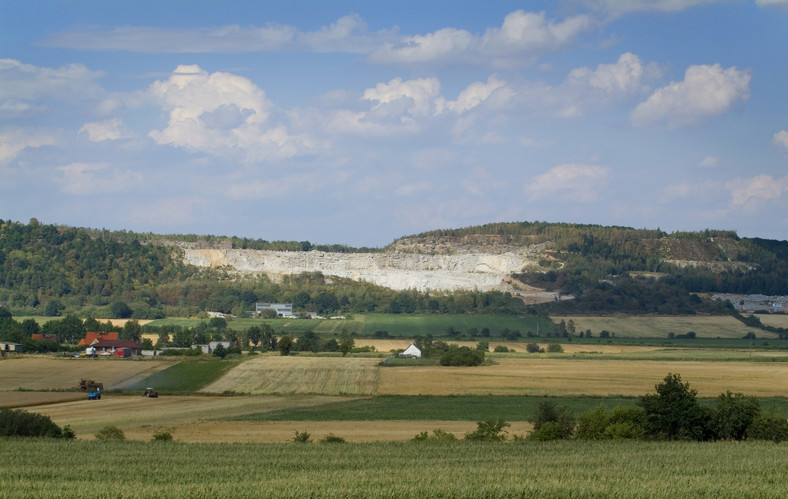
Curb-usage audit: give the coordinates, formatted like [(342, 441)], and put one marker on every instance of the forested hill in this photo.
[(47, 269)]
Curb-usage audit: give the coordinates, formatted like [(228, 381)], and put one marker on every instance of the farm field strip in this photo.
[(300, 375), (396, 469), (661, 326), (572, 377)]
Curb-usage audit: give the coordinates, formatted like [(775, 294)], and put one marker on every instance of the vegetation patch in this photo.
[(187, 376)]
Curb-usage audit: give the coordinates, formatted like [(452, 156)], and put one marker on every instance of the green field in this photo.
[(466, 408), (187, 376), (628, 469)]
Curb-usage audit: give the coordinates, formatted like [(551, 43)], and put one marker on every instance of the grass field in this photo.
[(660, 326), (393, 470)]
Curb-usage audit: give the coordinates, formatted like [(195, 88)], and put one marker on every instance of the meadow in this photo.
[(661, 326), (393, 469)]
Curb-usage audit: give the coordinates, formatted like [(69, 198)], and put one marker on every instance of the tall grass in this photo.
[(393, 470)]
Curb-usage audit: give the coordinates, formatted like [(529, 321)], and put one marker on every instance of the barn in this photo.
[(412, 352)]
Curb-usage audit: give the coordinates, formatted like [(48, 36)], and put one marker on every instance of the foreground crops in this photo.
[(460, 469)]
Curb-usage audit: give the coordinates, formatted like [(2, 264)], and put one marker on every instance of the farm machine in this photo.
[(150, 393), (89, 384)]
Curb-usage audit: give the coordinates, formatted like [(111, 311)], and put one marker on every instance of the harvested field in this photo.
[(48, 373), (131, 412), (283, 431), (386, 346), (568, 377), (774, 320), (661, 326), (13, 400), (300, 375)]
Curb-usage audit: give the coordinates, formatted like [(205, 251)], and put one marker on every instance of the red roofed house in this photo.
[(95, 336), (113, 345)]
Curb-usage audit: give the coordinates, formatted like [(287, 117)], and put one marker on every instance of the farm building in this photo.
[(412, 352), (92, 337), (110, 346), (9, 347), (281, 309)]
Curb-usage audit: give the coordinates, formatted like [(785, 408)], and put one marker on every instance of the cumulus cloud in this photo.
[(112, 129), (219, 113), (618, 7), (571, 182), (13, 142), (749, 194), (416, 96), (781, 138), (707, 90), (472, 96), (26, 81), (93, 178), (521, 39)]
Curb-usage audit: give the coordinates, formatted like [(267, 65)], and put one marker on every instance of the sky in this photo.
[(358, 122)]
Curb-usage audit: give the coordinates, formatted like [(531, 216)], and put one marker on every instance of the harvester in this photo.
[(89, 384)]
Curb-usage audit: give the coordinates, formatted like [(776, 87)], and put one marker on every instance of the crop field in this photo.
[(300, 375), (775, 320), (661, 326), (394, 469)]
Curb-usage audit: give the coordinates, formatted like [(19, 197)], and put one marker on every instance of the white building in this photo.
[(281, 309), (412, 352)]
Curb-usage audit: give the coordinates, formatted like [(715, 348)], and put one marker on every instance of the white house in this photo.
[(412, 352), (281, 309)]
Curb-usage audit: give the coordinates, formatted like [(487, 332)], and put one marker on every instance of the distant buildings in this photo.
[(281, 309)]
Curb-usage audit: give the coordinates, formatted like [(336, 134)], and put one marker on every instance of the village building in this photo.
[(411, 352), (281, 309)]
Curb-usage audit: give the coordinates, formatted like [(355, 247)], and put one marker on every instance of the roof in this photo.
[(94, 336), (117, 344)]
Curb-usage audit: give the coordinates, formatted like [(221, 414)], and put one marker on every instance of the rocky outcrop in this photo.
[(396, 270)]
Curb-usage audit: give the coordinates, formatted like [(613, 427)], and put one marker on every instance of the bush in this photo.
[(162, 436), (548, 412), (551, 430), (768, 427), (533, 348), (555, 348), (604, 424), (301, 437), (461, 356), (491, 430), (673, 413), (733, 415), (333, 439), (20, 423), (110, 433), (438, 435), (500, 349)]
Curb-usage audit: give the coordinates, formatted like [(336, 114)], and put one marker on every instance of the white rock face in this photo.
[(468, 271)]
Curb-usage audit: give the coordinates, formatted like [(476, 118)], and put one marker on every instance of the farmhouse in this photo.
[(411, 352), (281, 309), (111, 346), (92, 337)]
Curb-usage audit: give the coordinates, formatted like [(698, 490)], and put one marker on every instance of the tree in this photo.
[(120, 310), (220, 351), (285, 343), (52, 308), (254, 333), (5, 313), (346, 343), (733, 414), (491, 430), (673, 413)]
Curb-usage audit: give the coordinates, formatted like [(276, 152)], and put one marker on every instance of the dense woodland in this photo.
[(55, 270)]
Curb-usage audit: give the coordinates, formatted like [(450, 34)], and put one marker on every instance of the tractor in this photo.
[(94, 396), (87, 384), (150, 393)]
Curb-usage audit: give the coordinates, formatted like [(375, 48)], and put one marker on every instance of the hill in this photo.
[(493, 268)]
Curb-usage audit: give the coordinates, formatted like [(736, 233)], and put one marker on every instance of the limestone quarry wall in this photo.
[(481, 271)]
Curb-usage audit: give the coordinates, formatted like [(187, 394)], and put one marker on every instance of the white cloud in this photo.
[(781, 138), (472, 96), (93, 178), (625, 76), (13, 142), (705, 91), (416, 96), (572, 182), (750, 194), (521, 39), (112, 129), (219, 113), (347, 34), (709, 162), (687, 190), (618, 7), (20, 81), (778, 4)]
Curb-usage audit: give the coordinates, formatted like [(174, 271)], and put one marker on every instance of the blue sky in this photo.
[(357, 122)]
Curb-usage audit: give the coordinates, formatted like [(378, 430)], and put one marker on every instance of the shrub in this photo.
[(491, 430), (20, 423), (301, 437), (548, 412), (768, 427), (438, 435), (733, 415), (533, 348), (110, 433), (461, 356), (333, 439), (555, 348), (551, 430), (501, 349), (604, 424), (162, 436)]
